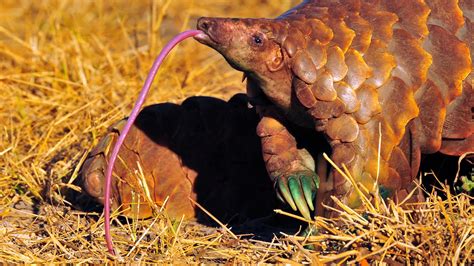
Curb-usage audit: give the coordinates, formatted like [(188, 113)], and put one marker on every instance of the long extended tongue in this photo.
[(136, 109)]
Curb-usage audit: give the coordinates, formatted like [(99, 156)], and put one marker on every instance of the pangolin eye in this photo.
[(257, 40)]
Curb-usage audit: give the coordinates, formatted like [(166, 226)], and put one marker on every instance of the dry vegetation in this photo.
[(68, 69)]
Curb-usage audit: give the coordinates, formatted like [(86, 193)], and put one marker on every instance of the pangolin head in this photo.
[(253, 46), (249, 45)]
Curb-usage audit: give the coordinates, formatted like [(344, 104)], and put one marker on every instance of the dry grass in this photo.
[(68, 69)]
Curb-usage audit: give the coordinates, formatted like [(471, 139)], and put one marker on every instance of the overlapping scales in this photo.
[(390, 63), (363, 32), (398, 108), (412, 60), (451, 65), (446, 14), (414, 14), (399, 65), (460, 139), (343, 35)]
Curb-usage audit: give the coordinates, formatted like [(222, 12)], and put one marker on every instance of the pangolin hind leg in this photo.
[(138, 175), (205, 149)]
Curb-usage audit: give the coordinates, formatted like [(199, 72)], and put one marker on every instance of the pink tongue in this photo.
[(136, 109)]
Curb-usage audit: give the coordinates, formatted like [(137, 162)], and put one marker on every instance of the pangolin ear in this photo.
[(276, 61)]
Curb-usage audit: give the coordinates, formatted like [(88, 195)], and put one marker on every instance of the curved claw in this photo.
[(308, 188), (299, 191), (285, 192), (298, 196)]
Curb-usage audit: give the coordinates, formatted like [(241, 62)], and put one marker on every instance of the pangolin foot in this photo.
[(93, 169), (311, 230), (298, 189), (93, 176), (467, 184)]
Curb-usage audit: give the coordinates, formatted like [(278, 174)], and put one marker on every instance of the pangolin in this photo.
[(383, 81)]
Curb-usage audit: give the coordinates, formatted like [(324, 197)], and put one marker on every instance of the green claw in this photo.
[(316, 180), (285, 192), (308, 185), (384, 192), (297, 194), (310, 230)]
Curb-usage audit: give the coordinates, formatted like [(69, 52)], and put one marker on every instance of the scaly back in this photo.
[(401, 64)]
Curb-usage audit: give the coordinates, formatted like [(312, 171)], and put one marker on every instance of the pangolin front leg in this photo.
[(292, 170)]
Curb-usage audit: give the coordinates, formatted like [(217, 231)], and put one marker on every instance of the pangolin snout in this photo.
[(208, 26)]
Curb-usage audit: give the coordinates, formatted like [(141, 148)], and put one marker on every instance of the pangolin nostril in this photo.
[(204, 24)]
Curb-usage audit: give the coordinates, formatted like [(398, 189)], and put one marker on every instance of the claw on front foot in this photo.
[(298, 189)]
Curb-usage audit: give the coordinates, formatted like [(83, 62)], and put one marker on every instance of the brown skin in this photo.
[(349, 70)]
